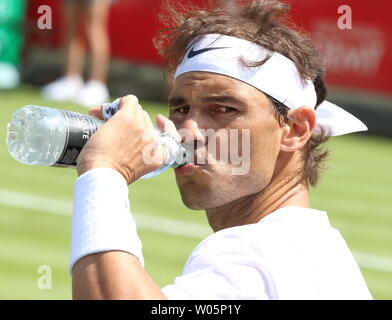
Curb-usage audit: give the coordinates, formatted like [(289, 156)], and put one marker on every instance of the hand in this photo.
[(120, 142)]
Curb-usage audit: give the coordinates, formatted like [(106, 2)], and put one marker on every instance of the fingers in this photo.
[(128, 108), (129, 101), (96, 112), (147, 119), (160, 122), (167, 125)]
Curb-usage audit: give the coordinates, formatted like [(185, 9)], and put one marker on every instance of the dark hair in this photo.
[(264, 22)]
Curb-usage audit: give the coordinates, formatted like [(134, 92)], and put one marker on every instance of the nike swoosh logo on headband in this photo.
[(193, 53)]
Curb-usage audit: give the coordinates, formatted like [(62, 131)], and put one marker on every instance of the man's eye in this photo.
[(224, 109), (182, 110)]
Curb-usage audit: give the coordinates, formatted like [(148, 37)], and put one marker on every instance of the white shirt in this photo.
[(293, 253)]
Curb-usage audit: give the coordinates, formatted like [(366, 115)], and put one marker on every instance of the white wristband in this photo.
[(101, 219)]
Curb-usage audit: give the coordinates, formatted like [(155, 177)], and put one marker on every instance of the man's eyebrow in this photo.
[(177, 101), (223, 99)]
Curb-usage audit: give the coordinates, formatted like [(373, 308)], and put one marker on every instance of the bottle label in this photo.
[(80, 127), (109, 109)]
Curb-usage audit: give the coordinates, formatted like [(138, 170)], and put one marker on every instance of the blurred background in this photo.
[(103, 50)]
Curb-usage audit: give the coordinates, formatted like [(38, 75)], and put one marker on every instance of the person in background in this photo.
[(86, 20)]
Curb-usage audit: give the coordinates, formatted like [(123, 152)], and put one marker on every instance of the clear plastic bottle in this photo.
[(52, 137)]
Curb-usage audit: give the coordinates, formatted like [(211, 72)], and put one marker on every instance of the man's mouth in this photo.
[(186, 169), (196, 161)]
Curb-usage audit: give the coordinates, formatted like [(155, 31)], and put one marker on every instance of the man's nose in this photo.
[(192, 134)]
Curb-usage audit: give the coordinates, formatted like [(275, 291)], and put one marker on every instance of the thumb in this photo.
[(128, 102), (167, 125)]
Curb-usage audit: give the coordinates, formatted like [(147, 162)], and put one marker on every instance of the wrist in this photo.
[(102, 220), (86, 166)]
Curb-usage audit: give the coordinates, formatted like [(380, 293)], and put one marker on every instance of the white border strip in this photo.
[(155, 223)]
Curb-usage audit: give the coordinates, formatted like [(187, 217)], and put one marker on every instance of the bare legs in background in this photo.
[(86, 32)]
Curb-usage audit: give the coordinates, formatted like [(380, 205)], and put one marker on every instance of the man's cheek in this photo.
[(230, 149), (240, 149)]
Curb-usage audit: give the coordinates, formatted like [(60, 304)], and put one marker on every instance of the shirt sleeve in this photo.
[(221, 268)]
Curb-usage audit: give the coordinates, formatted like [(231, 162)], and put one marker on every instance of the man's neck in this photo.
[(283, 192)]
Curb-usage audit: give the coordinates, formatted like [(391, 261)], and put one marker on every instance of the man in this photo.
[(234, 67)]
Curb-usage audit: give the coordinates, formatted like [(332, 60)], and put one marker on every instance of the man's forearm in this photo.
[(112, 275), (106, 257)]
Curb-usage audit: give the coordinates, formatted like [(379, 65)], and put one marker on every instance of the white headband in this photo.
[(278, 77)]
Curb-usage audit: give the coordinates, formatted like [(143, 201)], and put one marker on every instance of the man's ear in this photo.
[(298, 129)]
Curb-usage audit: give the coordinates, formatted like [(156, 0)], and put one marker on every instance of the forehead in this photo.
[(200, 83)]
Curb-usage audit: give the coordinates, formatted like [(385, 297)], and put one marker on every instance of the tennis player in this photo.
[(236, 66)]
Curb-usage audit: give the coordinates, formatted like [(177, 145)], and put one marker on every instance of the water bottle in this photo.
[(52, 137)]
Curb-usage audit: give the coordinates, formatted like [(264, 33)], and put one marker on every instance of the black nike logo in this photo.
[(193, 53)]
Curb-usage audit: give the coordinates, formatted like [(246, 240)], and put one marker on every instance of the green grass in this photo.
[(356, 192)]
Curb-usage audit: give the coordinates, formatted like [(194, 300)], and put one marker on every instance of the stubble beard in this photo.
[(216, 189)]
